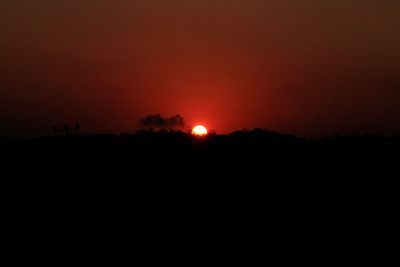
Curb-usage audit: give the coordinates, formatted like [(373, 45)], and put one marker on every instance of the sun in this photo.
[(199, 130)]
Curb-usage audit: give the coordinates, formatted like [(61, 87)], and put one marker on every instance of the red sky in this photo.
[(306, 67)]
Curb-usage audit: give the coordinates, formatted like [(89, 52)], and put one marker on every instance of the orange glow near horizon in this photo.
[(199, 130)]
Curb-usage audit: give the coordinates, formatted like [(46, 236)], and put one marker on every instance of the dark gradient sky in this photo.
[(309, 67)]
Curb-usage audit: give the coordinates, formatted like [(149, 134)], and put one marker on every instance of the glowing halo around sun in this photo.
[(200, 131)]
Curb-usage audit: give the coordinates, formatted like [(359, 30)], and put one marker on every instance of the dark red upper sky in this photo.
[(308, 67)]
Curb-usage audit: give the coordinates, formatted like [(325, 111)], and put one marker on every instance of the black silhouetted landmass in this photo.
[(259, 155), (256, 150), (255, 139), (253, 181)]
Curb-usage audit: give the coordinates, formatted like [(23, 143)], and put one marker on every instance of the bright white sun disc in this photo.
[(199, 130)]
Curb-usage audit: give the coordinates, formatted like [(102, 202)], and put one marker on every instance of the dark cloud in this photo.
[(159, 121)]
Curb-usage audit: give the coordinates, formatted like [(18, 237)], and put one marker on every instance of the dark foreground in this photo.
[(258, 159), (228, 192)]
